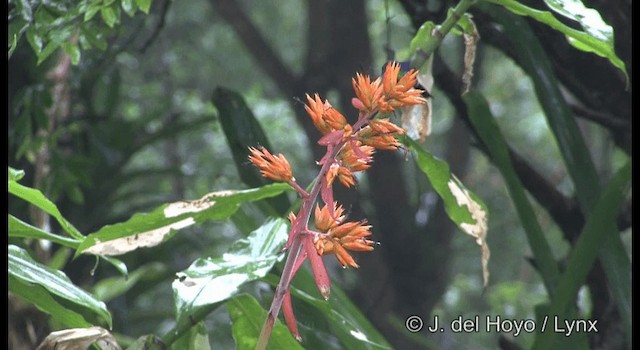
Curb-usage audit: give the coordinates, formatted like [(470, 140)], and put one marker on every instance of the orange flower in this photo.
[(346, 177), (380, 134), (399, 93), (341, 236), (355, 156), (324, 221), (368, 93), (324, 116), (276, 167)]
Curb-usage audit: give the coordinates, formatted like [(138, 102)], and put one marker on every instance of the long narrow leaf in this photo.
[(489, 131), (27, 271), (574, 152), (44, 301), (38, 199), (586, 249), (242, 130), (19, 228)]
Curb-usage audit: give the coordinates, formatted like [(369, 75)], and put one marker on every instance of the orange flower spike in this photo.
[(367, 92), (323, 219), (332, 173), (351, 229), (316, 109), (384, 126), (274, 167), (356, 157), (390, 78), (346, 177), (334, 118), (399, 93), (384, 142)]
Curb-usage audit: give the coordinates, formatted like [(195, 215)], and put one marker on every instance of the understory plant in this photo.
[(349, 149)]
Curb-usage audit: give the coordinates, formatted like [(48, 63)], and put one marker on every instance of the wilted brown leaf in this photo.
[(477, 230), (79, 339)]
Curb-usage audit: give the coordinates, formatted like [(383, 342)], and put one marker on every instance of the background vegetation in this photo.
[(114, 108)]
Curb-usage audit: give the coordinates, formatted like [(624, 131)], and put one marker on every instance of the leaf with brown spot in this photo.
[(151, 229)]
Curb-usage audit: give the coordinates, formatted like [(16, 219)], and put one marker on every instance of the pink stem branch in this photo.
[(299, 225)]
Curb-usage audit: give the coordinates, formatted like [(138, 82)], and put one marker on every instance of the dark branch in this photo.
[(156, 31), (264, 55)]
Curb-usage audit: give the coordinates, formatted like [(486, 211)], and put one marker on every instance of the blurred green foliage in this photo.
[(110, 114)]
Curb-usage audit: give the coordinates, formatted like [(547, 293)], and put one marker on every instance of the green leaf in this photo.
[(51, 47), (108, 288), (212, 280), (93, 35), (242, 130), (19, 228), (91, 10), (34, 39), (585, 251), (110, 16), (144, 5), (129, 9), (589, 19), (24, 8), (463, 207), (197, 338), (36, 198), (344, 320), (29, 272), (150, 229), (45, 302), (490, 134), (147, 342), (248, 316), (73, 51), (574, 151), (15, 175), (12, 45), (595, 39)]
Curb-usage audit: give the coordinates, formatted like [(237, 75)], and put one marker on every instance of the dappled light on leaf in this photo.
[(211, 280)]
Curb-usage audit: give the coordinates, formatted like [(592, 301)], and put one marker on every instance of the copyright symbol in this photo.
[(414, 324)]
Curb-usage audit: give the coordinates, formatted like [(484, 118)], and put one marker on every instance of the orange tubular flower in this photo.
[(341, 236), (346, 177), (368, 93), (399, 93), (356, 157), (324, 116), (324, 221), (276, 167)]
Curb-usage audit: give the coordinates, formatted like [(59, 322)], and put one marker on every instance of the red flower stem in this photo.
[(300, 190), (298, 226)]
